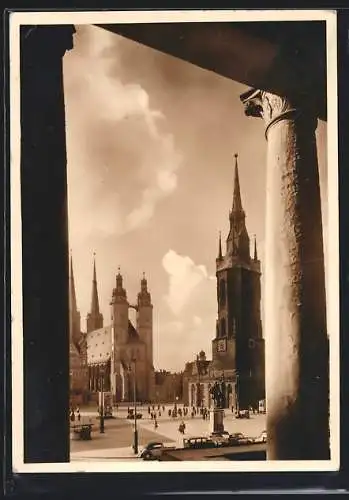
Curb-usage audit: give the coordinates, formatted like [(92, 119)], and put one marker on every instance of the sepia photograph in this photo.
[(180, 279)]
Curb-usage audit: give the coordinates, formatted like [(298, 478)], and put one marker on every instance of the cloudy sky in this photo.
[(150, 144)]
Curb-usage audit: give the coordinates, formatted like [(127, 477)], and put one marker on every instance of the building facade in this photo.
[(168, 387), (120, 355), (238, 345)]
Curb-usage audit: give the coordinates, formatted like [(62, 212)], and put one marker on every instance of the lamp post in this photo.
[(135, 433), (237, 393), (101, 420)]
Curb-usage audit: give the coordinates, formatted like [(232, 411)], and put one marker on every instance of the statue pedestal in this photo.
[(216, 420)]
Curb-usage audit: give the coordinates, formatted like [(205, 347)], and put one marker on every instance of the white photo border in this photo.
[(109, 17)]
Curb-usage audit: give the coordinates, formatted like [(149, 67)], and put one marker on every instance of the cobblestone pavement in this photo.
[(116, 442)]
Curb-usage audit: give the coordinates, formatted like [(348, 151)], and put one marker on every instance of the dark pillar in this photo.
[(45, 243), (297, 365)]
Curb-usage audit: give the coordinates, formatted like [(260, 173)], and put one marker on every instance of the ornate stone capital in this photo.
[(272, 108)]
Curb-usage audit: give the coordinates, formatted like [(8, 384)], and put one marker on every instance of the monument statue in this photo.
[(218, 394)]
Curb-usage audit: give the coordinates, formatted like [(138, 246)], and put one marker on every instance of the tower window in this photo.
[(251, 343), (222, 292)]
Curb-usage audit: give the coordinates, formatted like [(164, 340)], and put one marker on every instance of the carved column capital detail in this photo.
[(272, 108)]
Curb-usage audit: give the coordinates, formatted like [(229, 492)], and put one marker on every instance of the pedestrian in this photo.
[(78, 414), (159, 413), (163, 408), (169, 412), (156, 424), (72, 416), (149, 410)]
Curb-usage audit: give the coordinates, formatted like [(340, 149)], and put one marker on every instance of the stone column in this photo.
[(45, 260), (297, 371)]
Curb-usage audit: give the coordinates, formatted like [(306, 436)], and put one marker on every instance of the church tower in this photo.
[(145, 319), (119, 311), (239, 344), (74, 314), (94, 318), (145, 330)]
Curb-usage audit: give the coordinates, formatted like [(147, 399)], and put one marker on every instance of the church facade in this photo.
[(238, 345), (120, 355)]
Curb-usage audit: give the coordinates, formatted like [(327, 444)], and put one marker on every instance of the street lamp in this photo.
[(135, 433), (237, 393), (101, 420)]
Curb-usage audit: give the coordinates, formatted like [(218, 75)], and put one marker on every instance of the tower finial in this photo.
[(255, 257)]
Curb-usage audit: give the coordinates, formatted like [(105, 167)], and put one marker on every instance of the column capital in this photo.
[(274, 108)]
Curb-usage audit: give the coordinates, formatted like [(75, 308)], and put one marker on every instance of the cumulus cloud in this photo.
[(112, 122), (184, 278)]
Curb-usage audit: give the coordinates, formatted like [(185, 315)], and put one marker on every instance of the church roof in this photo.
[(133, 335), (99, 345)]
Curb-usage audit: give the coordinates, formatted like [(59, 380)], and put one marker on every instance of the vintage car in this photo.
[(220, 438), (242, 414), (198, 442), (262, 438), (239, 438), (131, 415), (154, 450)]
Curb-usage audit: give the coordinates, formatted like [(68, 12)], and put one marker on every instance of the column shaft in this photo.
[(297, 370)]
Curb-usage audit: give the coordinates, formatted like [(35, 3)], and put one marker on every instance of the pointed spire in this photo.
[(237, 205), (72, 294), (144, 283), (94, 299), (220, 255), (255, 257), (74, 315)]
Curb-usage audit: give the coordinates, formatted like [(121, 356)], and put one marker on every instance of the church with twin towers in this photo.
[(112, 354)]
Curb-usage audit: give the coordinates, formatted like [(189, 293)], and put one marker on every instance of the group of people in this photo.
[(74, 414)]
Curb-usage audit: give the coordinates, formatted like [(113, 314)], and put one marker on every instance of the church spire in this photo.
[(255, 257), (74, 315), (94, 318), (72, 294), (237, 205), (220, 255), (238, 243), (94, 299)]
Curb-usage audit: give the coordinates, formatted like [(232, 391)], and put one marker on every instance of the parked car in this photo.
[(131, 415), (198, 442), (220, 438), (238, 438), (242, 414), (262, 438), (152, 451)]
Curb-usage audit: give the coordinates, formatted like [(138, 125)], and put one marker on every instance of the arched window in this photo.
[(223, 328), (222, 292)]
